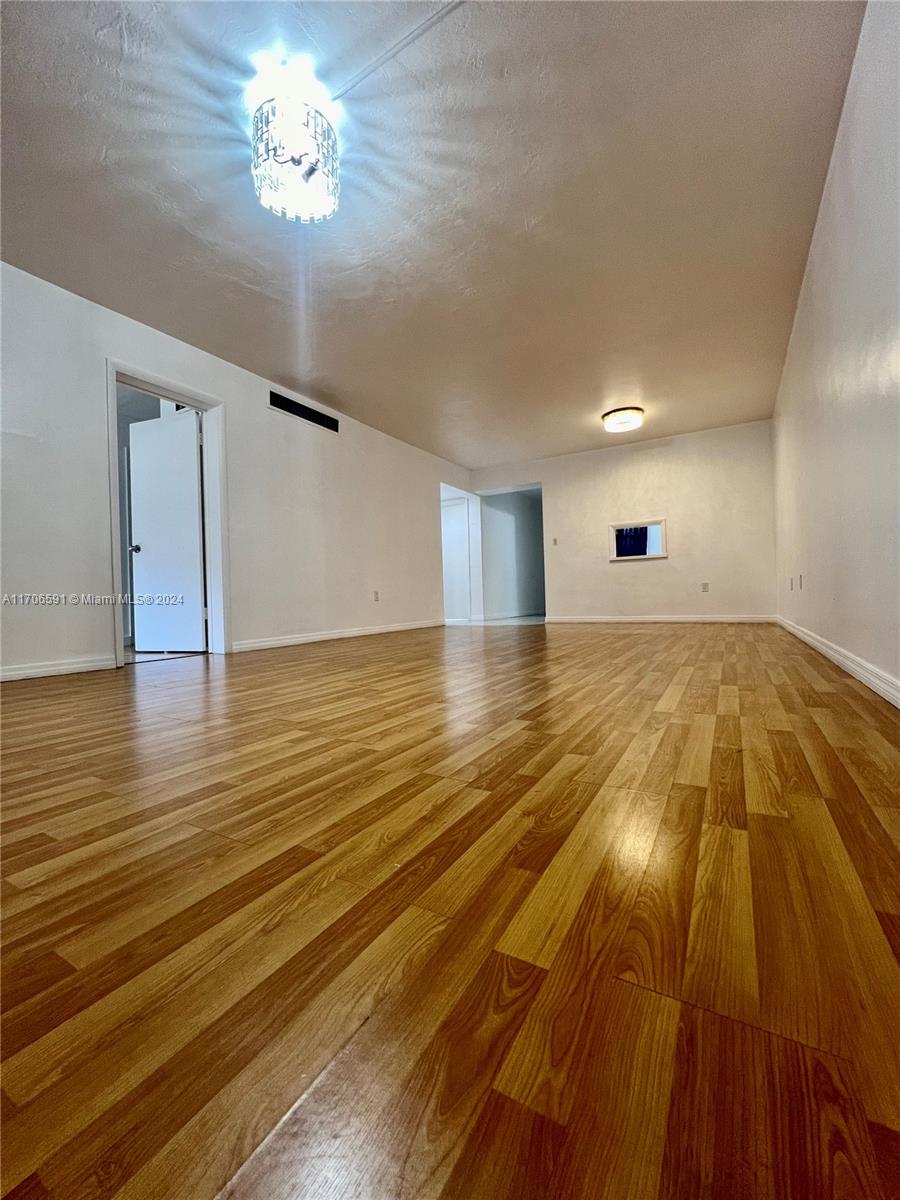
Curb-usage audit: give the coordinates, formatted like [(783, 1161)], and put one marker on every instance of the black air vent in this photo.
[(303, 411)]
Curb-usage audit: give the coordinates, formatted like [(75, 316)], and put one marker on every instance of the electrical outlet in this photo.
[(704, 587), (792, 583), (801, 583), (556, 541), (377, 597)]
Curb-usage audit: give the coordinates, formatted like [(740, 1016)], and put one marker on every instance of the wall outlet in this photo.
[(704, 587), (375, 594), (801, 583), (792, 583), (556, 541)]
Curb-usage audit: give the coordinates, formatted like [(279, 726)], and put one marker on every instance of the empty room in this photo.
[(450, 627)]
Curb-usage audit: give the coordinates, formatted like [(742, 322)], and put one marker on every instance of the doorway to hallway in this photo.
[(512, 550), (461, 554), (161, 526), (493, 556)]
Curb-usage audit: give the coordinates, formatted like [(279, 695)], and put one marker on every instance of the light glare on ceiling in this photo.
[(294, 145), (620, 420)]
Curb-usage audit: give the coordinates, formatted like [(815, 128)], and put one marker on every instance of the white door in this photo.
[(167, 533), (455, 545)]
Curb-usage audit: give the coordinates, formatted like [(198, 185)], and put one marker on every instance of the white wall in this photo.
[(837, 425), (715, 490), (512, 555), (318, 522)]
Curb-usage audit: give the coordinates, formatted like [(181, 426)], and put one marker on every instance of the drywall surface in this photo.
[(576, 201), (512, 551), (837, 422), (318, 521), (715, 491)]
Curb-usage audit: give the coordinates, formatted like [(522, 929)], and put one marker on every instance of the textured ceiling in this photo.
[(547, 209)]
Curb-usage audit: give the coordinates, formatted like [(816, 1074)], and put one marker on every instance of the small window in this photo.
[(637, 540)]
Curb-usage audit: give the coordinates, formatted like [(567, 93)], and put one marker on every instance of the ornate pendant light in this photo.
[(295, 163)]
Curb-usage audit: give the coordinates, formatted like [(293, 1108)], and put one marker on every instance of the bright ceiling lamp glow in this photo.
[(295, 154), (620, 420)]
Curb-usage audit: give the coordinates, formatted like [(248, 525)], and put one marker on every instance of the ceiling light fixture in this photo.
[(620, 420), (295, 153), (295, 164)]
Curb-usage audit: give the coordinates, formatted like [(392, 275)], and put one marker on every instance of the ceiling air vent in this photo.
[(303, 411)]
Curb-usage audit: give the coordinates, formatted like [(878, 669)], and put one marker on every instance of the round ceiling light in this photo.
[(295, 155), (620, 420)]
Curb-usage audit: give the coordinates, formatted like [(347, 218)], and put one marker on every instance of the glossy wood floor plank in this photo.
[(886, 1143), (867, 972), (223, 1129), (545, 1063), (511, 1154), (468, 912), (721, 966), (801, 991), (753, 1115), (618, 1126), (540, 926), (654, 947), (356, 1102)]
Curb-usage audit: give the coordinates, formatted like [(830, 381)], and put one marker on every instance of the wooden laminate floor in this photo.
[(470, 913)]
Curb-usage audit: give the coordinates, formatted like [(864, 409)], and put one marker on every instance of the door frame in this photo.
[(464, 500), (215, 507), (538, 486), (449, 491)]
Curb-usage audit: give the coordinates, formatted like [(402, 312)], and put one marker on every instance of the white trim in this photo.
[(297, 639), (614, 557), (112, 436), (507, 616), (740, 619), (448, 502), (216, 543), (873, 677), (62, 666)]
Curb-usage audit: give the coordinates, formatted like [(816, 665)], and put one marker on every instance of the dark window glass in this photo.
[(631, 542)]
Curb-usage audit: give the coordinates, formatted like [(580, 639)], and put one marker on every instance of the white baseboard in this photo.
[(873, 677), (508, 616), (297, 639), (741, 619), (61, 666)]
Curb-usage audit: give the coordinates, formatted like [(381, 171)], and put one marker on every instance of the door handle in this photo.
[(135, 549)]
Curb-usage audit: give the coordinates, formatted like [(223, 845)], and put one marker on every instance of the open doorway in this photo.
[(148, 402), (161, 526), (461, 555), (512, 542), (493, 556)]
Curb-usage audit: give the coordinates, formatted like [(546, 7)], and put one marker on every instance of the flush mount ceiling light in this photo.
[(295, 153), (620, 420)]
